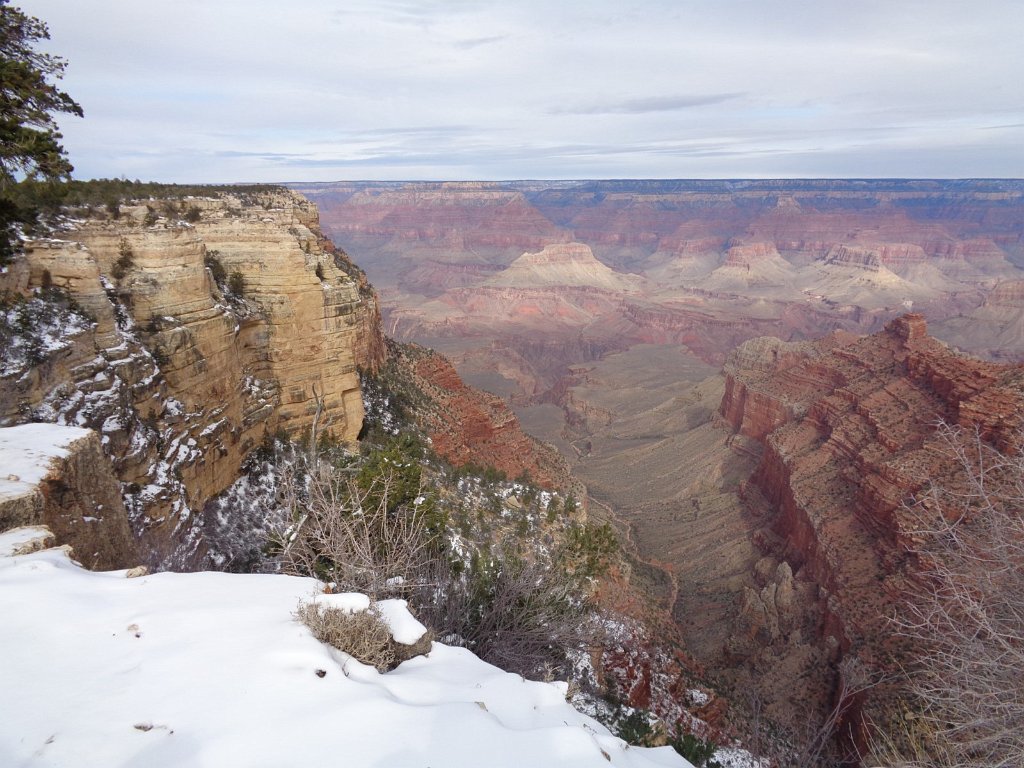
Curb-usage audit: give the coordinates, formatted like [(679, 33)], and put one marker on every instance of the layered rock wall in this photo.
[(468, 426), (849, 432), (183, 374)]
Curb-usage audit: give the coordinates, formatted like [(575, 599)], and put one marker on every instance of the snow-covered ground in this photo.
[(212, 669), (26, 453)]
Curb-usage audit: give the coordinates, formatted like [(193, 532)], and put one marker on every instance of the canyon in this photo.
[(183, 335), (743, 377), (745, 374)]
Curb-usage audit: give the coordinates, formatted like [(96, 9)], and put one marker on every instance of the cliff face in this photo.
[(181, 374), (848, 429), (468, 426), (58, 477)]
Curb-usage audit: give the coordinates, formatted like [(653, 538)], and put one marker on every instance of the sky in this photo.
[(321, 90)]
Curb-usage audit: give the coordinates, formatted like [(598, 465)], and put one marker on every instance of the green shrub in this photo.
[(588, 549), (193, 214), (636, 729), (696, 750), (236, 284), (125, 260), (220, 275)]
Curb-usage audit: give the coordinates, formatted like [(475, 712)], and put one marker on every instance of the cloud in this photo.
[(651, 104), (466, 45), (252, 89)]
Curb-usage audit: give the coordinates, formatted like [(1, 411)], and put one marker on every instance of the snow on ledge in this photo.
[(24, 540), (27, 452), (403, 625), (211, 669)]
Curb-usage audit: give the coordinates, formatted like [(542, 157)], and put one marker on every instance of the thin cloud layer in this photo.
[(650, 104), (258, 90)]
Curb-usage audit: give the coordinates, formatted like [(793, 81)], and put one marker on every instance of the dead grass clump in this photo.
[(362, 635)]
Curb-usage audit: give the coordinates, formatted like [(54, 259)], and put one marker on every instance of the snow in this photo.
[(403, 625), (34, 329), (26, 453), (350, 602), (17, 539), (212, 669), (734, 757)]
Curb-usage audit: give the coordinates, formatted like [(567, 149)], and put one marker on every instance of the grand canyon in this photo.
[(745, 374), (745, 380), (508, 455)]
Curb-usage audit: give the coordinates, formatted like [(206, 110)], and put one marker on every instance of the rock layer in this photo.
[(183, 375), (468, 426), (848, 426), (59, 477)]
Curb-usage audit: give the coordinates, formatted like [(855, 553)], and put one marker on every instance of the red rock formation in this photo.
[(848, 427), (468, 426)]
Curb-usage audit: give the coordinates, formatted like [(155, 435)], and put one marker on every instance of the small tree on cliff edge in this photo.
[(30, 148), (967, 613)]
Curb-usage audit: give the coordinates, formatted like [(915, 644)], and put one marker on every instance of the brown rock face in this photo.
[(182, 376), (847, 426), (72, 491), (466, 425)]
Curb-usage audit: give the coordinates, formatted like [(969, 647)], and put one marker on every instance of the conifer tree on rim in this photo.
[(30, 143)]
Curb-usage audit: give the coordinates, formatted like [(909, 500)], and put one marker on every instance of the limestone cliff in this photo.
[(203, 337)]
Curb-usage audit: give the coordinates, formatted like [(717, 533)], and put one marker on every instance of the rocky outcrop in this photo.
[(205, 338), (848, 427), (59, 477), (568, 264), (468, 426)]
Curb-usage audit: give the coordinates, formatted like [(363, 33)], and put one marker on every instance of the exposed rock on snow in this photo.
[(58, 476)]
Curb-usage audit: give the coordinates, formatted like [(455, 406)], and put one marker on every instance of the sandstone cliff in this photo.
[(203, 337)]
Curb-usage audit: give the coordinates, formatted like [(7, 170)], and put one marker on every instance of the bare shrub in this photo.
[(374, 526), (362, 635), (967, 616), (358, 548), (520, 616)]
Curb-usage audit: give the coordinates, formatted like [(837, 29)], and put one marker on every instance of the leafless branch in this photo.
[(968, 615)]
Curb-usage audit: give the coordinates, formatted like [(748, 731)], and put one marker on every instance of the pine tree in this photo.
[(30, 148)]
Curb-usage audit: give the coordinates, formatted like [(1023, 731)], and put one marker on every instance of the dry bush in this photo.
[(520, 616), (967, 613), (361, 530), (362, 635), (340, 538)]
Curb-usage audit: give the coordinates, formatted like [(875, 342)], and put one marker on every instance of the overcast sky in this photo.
[(294, 90)]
